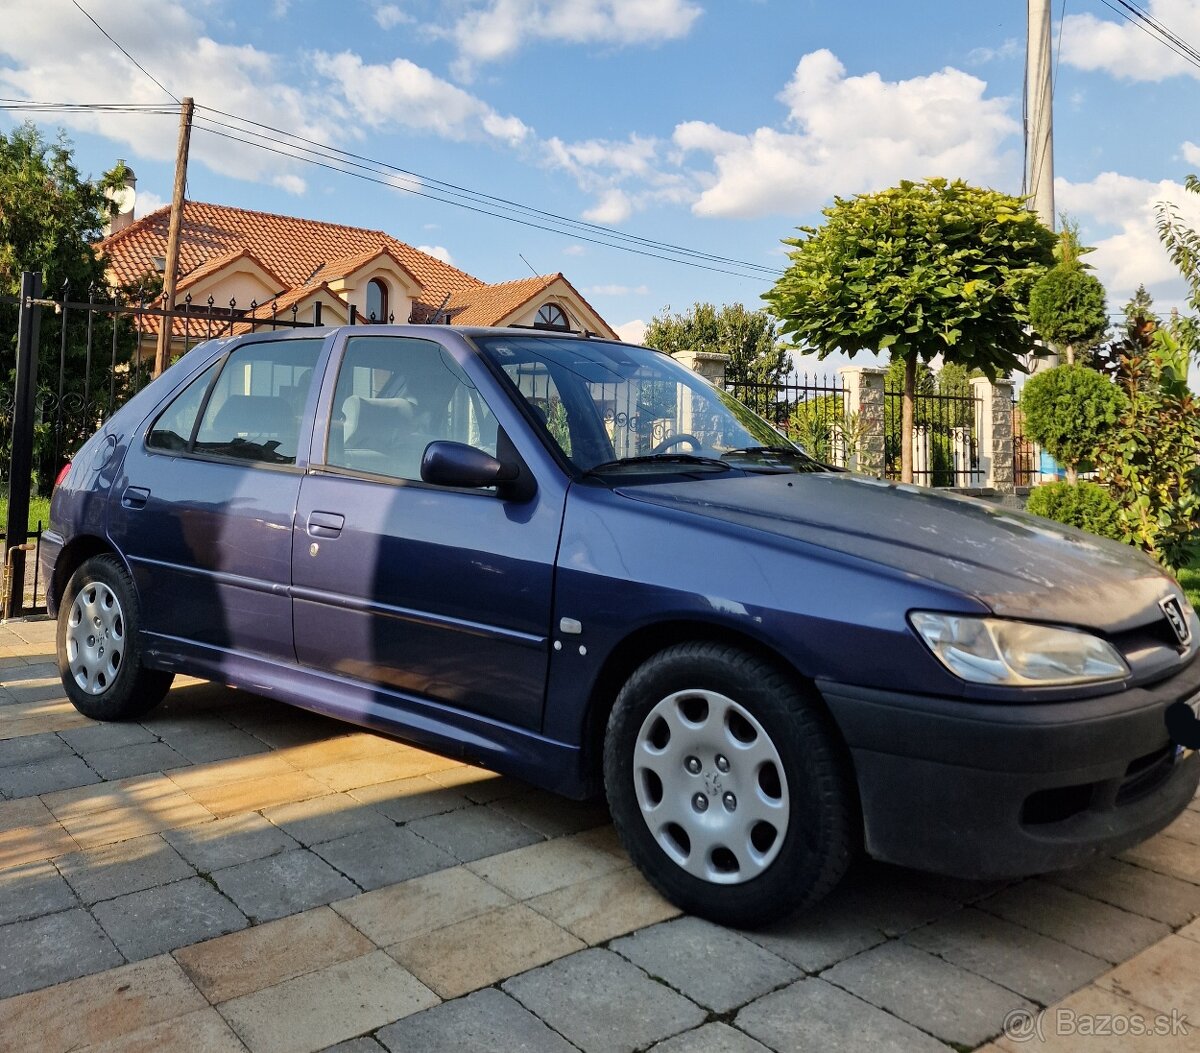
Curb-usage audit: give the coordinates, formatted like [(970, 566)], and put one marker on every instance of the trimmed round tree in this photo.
[(1067, 308), (925, 269), (1070, 411)]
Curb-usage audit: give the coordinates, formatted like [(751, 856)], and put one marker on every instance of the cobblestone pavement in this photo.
[(233, 874)]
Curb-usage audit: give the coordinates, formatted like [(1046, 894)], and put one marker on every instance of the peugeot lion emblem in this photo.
[(1173, 609)]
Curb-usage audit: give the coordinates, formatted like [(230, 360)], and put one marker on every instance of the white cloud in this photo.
[(839, 135), (1126, 49), (146, 202), (574, 250), (402, 181), (67, 59), (613, 207), (1011, 48), (390, 15), (290, 183), (617, 290), (1191, 153), (409, 95), (326, 98), (631, 332), (852, 134), (1131, 254), (498, 28), (438, 252)]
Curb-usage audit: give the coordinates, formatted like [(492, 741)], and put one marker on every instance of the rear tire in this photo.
[(99, 652), (728, 785)]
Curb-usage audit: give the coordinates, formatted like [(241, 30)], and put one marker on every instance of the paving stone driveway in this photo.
[(235, 874)]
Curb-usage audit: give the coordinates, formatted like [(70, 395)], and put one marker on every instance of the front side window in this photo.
[(254, 409), (396, 395)]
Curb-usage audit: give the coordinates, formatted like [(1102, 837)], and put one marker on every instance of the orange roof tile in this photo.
[(218, 263), (487, 304), (295, 249), (305, 253)]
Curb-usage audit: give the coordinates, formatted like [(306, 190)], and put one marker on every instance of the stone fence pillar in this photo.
[(709, 364), (865, 401), (995, 432)]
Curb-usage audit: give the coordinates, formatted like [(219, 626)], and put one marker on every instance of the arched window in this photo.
[(377, 301), (551, 316)]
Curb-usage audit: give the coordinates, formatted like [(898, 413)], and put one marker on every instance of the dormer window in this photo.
[(377, 301), (551, 316)]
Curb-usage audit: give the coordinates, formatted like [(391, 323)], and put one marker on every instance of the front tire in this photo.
[(728, 786), (99, 653)]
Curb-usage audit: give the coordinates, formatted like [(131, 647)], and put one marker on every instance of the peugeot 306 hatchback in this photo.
[(575, 561)]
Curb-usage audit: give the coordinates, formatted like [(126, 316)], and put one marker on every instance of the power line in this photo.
[(1138, 18), (115, 44), (365, 176), (298, 148), (460, 191)]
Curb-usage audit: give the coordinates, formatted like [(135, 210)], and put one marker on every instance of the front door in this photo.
[(435, 593)]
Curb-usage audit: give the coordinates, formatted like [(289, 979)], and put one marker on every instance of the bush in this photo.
[(1071, 411), (1087, 506)]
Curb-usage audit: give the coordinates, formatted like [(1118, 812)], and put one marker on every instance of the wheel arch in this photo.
[(73, 555), (648, 640)]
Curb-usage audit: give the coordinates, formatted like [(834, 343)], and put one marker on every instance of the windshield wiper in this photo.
[(661, 458), (790, 451)]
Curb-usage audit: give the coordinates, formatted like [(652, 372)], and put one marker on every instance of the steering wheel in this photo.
[(674, 440)]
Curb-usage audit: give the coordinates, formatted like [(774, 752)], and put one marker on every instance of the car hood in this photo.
[(1019, 565)]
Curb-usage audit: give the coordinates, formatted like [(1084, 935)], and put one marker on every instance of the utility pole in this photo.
[(172, 268), (1039, 119)]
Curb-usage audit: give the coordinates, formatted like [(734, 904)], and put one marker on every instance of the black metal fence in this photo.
[(811, 410), (79, 356), (1025, 453), (945, 438)]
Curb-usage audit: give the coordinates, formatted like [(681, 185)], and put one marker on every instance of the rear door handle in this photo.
[(325, 524), (135, 497)]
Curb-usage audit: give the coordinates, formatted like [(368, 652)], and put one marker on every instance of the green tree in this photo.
[(1066, 304), (1072, 412), (1152, 463), (924, 269), (747, 337), (50, 218), (1183, 245)]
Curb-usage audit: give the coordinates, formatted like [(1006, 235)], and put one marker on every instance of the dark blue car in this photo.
[(575, 561)]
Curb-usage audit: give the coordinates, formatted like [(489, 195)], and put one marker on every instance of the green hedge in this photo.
[(1087, 506)]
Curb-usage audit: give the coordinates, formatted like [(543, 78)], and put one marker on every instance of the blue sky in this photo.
[(719, 125)]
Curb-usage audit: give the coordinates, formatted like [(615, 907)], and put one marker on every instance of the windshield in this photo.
[(616, 407)]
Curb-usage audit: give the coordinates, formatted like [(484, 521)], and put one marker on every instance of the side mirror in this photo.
[(457, 464)]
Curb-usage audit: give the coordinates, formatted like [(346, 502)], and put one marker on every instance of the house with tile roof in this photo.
[(258, 265)]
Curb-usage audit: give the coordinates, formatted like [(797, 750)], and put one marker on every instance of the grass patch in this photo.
[(39, 510), (1189, 578)]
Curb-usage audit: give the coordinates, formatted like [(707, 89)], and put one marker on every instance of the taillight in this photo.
[(63, 474)]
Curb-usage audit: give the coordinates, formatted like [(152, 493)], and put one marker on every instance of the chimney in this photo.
[(122, 200)]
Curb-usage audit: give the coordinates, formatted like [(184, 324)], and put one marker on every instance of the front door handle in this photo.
[(325, 524), (135, 497)]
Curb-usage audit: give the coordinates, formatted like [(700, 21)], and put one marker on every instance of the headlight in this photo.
[(1016, 654)]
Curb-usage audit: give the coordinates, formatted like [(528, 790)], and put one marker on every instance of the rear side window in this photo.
[(173, 429), (253, 410)]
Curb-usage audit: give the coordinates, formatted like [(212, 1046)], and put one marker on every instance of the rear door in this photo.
[(204, 509), (437, 593)]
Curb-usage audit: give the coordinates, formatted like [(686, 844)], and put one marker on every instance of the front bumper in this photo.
[(986, 790)]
